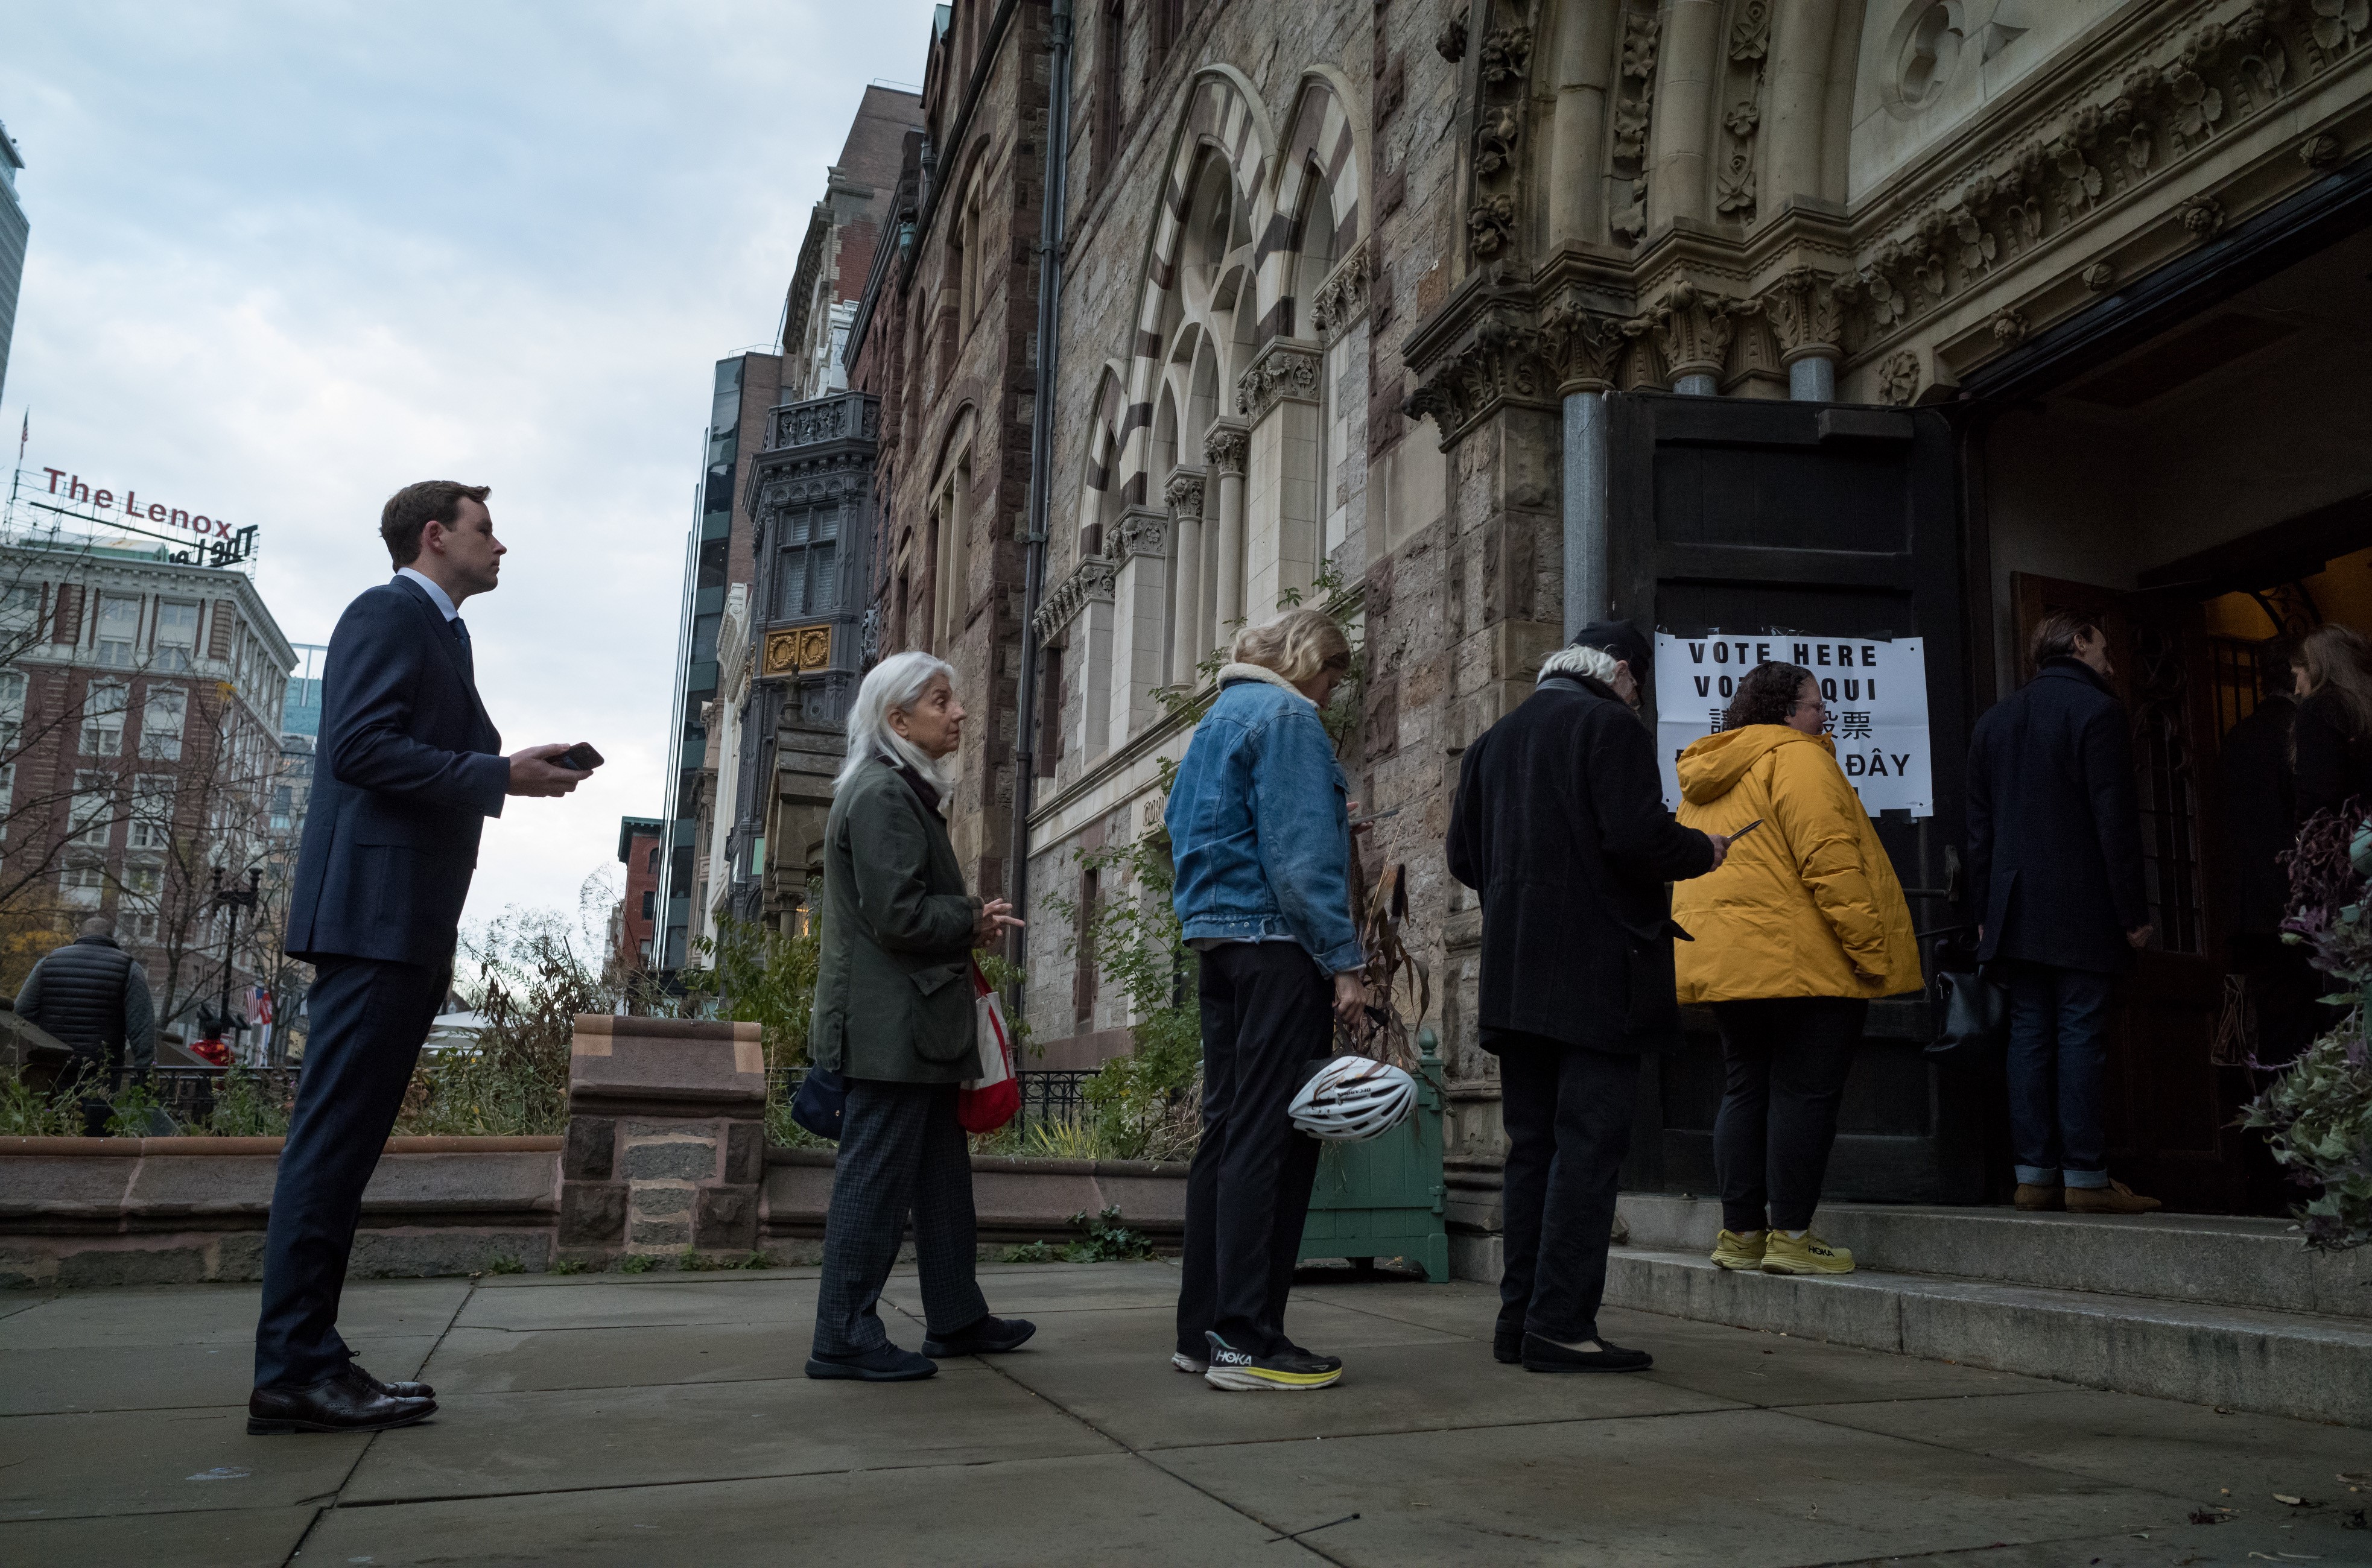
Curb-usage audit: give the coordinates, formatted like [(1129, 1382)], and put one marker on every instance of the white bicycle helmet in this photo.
[(1351, 1098)]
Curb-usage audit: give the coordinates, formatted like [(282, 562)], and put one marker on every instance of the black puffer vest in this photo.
[(82, 995)]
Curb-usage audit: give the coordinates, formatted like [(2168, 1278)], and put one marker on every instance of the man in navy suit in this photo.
[(408, 770)]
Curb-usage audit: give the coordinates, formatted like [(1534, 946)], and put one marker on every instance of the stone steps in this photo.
[(2211, 1309)]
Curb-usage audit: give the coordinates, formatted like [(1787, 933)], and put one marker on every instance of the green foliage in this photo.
[(753, 974), (1032, 1253), (29, 1113), (568, 1266), (505, 1265), (246, 1107), (755, 1261), (640, 1263), (1107, 1241), (529, 987), (134, 1111), (1136, 944)]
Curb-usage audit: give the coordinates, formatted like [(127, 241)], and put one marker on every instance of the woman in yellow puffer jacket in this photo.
[(1793, 934)]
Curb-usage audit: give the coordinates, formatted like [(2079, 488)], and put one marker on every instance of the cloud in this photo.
[(287, 258)]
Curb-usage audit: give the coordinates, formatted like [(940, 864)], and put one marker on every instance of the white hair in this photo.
[(894, 685), (1595, 663)]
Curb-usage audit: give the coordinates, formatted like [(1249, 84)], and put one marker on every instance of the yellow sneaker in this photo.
[(1805, 1254), (1740, 1252)]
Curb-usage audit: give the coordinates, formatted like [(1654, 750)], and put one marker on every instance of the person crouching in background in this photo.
[(1802, 926)]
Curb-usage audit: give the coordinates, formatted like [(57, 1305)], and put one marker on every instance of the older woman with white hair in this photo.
[(894, 1016)]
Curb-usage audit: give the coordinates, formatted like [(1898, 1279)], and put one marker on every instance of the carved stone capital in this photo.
[(1141, 531), (1584, 347), (1806, 315), (1088, 581), (1342, 299), (1693, 331), (1184, 494), (1284, 371), (1503, 358), (1224, 448)]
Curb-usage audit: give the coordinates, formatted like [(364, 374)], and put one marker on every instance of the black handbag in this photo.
[(1971, 1011), (822, 1098)]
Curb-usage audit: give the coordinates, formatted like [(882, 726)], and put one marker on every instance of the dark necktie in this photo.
[(461, 635)]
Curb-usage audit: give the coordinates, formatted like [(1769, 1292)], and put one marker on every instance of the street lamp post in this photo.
[(232, 899)]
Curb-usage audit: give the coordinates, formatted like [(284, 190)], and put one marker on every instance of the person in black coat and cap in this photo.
[(2055, 857), (1560, 825)]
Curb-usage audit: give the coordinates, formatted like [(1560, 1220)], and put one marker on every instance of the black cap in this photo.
[(1621, 639)]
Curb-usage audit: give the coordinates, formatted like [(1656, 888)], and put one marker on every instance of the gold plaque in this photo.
[(795, 649)]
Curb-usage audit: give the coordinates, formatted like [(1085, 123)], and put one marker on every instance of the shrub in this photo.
[(29, 1113)]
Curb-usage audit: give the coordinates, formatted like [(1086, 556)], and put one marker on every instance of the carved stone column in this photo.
[(1806, 318), (1278, 399), (1139, 544), (1692, 329), (1084, 597), (1187, 637), (1585, 348), (1224, 449)]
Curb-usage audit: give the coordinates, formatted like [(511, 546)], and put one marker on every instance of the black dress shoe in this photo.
[(1507, 1346), (397, 1390), (882, 1363), (1547, 1355), (344, 1404), (989, 1336)]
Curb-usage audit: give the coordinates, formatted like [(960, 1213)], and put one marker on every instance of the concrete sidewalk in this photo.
[(663, 1419)]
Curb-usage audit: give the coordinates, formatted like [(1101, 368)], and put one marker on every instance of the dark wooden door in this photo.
[(2170, 1105), (1744, 516)]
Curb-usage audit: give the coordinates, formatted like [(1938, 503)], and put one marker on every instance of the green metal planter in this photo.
[(1383, 1197)]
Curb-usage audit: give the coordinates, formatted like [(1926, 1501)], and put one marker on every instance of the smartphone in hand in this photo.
[(578, 759)]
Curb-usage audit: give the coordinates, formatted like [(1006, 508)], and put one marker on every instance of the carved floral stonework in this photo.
[(1491, 224), (2319, 151), (1281, 371), (1693, 331), (1224, 449), (2174, 89), (1504, 358), (1505, 50), (1495, 134), (1342, 299), (1140, 531), (2009, 327), (1633, 113), (1583, 346), (1806, 315), (1749, 44), (1899, 381), (1089, 581), (2098, 276), (1184, 494)]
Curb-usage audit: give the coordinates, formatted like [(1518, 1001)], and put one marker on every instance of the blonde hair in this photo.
[(1297, 644)]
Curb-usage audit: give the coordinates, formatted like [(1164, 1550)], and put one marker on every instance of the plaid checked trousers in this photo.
[(900, 1149)]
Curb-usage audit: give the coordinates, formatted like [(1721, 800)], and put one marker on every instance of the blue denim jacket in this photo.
[(1258, 826)]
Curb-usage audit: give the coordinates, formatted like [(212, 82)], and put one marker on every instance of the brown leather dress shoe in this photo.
[(398, 1390), (2116, 1198), (350, 1402), (2034, 1200)]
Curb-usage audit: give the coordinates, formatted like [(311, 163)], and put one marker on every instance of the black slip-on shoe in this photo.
[(882, 1363), (344, 1404), (989, 1336), (397, 1390), (1547, 1355), (1507, 1346)]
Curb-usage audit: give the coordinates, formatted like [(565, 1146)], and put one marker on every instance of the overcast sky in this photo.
[(287, 258)]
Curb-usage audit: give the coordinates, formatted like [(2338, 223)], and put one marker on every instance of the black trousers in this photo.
[(902, 1151), (1567, 1111), (1267, 1013), (369, 1019), (1786, 1059)]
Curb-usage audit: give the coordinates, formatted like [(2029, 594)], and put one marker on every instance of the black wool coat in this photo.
[(1560, 825), (2054, 825), (2260, 815), (2334, 763)]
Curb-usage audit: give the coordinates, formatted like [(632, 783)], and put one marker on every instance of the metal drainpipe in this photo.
[(1041, 454)]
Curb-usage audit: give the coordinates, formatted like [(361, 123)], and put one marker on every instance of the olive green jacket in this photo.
[(893, 983)]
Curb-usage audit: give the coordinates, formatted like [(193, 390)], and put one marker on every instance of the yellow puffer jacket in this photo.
[(1807, 904)]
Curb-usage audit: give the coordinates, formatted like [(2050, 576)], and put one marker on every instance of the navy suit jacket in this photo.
[(406, 772), (2054, 823)]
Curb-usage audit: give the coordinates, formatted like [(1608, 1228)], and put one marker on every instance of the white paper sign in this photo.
[(1876, 691)]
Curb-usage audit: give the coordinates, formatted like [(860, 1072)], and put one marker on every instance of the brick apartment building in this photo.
[(630, 935), (141, 703)]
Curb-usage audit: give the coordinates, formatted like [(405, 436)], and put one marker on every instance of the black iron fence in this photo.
[(1047, 1093)]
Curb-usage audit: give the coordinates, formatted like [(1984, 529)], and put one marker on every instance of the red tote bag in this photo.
[(987, 1102)]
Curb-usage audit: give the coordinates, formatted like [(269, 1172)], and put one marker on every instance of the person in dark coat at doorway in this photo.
[(1560, 825), (408, 772), (94, 996), (2055, 857)]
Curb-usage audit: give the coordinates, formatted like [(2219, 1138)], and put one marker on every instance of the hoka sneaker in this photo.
[(1805, 1254), (1289, 1370), (1743, 1253), (1184, 1362)]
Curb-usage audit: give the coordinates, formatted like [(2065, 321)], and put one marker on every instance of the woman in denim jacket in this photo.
[(1260, 830)]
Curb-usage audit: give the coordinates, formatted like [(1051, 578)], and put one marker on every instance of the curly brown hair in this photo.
[(1767, 695)]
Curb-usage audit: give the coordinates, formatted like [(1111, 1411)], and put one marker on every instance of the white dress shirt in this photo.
[(437, 595)]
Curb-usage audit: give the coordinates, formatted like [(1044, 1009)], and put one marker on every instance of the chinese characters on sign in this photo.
[(1876, 691)]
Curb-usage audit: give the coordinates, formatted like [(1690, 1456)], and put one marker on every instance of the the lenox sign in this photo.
[(76, 493)]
